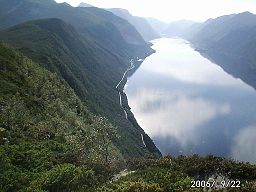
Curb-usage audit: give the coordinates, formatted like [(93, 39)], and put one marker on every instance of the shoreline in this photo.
[(146, 141)]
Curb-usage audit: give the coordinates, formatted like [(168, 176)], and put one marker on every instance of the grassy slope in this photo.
[(101, 49), (92, 72), (47, 135), (175, 174), (42, 154)]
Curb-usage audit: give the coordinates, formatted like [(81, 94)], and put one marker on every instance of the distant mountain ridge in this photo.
[(140, 23), (215, 29), (108, 30), (230, 42), (177, 28), (157, 25), (173, 29), (85, 5)]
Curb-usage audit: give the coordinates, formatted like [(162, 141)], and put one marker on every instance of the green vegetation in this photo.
[(97, 26), (176, 174), (47, 135), (61, 125), (89, 70), (50, 141)]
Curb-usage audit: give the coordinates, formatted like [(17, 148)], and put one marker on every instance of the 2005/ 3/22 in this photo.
[(212, 183)]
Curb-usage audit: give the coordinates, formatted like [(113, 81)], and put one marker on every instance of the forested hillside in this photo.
[(91, 71), (96, 25), (89, 49), (51, 142), (62, 121), (60, 111), (46, 130)]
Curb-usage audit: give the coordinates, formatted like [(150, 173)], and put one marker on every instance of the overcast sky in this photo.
[(170, 10)]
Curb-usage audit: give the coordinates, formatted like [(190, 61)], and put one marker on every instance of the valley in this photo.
[(99, 99)]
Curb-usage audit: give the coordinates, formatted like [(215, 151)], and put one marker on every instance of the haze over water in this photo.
[(188, 105)]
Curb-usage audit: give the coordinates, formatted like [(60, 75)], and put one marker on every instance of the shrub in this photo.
[(64, 178)]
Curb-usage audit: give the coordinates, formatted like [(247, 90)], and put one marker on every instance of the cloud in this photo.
[(244, 145)]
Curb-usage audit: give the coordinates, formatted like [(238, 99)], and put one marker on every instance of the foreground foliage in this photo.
[(48, 138), (49, 141), (176, 174)]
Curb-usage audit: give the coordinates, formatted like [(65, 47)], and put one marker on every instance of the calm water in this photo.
[(187, 104)]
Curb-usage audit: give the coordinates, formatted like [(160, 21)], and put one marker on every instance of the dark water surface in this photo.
[(187, 104)]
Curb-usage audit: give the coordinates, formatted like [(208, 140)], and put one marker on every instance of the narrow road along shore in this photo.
[(119, 83), (120, 92), (142, 138)]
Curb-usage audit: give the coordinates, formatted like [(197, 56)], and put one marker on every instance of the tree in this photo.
[(105, 133)]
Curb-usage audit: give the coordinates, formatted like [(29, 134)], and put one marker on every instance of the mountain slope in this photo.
[(91, 71), (178, 28), (157, 25), (236, 53), (141, 24), (96, 25), (85, 5), (46, 132), (240, 44), (215, 29), (230, 42)]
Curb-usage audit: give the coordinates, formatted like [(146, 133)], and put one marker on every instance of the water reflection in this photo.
[(189, 105), (170, 109), (185, 64)]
